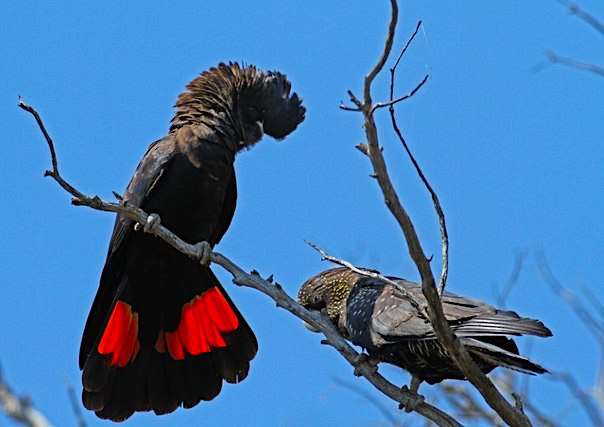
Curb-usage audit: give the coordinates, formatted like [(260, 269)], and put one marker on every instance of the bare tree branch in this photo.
[(593, 300), (253, 280), (586, 401), (20, 409), (597, 330), (371, 399), (582, 312), (75, 405), (454, 347), (367, 102), (393, 101), (512, 281), (582, 14), (554, 58), (466, 406), (444, 235)]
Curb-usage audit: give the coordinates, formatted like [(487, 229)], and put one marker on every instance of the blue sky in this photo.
[(515, 155)]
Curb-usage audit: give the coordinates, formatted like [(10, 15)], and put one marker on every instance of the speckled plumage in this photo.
[(377, 316)]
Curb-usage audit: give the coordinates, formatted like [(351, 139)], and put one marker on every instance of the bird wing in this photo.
[(148, 172), (396, 318), (145, 178)]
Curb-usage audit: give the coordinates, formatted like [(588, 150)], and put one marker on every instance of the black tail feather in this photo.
[(498, 356)]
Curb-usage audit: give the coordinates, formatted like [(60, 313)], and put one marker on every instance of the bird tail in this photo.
[(152, 346), (502, 323), (501, 351)]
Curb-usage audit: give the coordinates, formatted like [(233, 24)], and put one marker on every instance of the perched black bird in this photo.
[(378, 317), (162, 332)]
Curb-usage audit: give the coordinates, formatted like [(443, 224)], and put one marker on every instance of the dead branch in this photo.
[(585, 399), (371, 399), (554, 58), (444, 235), (467, 407), (512, 281), (75, 405), (392, 102), (592, 299), (582, 14), (19, 408), (253, 280), (596, 328), (582, 312), (454, 347)]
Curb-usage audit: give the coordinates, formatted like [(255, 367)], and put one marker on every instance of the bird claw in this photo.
[(413, 400), (204, 251), (153, 222), (361, 360)]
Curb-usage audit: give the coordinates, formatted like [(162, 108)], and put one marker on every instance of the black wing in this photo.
[(150, 169), (395, 317)]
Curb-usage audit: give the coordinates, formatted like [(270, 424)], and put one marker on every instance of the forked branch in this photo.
[(493, 397)]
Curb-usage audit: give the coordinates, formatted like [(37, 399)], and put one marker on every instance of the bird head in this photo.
[(328, 291), (265, 105), (240, 104)]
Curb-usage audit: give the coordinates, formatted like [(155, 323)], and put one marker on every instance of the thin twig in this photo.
[(367, 102), (75, 405), (347, 108), (582, 14), (542, 419), (20, 409), (369, 273), (407, 44), (554, 58), (584, 398), (441, 328), (466, 406), (512, 279), (275, 291), (393, 102), (593, 300), (509, 387), (582, 312), (444, 235), (54, 173), (389, 415)]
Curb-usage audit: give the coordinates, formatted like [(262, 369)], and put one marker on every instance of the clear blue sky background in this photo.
[(515, 155)]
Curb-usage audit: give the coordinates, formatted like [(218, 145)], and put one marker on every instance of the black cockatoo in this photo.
[(162, 332), (377, 316)]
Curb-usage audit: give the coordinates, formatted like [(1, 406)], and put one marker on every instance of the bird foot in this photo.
[(414, 398), (204, 251), (363, 359), (153, 222), (412, 402)]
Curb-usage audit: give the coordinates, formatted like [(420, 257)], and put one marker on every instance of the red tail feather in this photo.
[(120, 338), (203, 322)]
